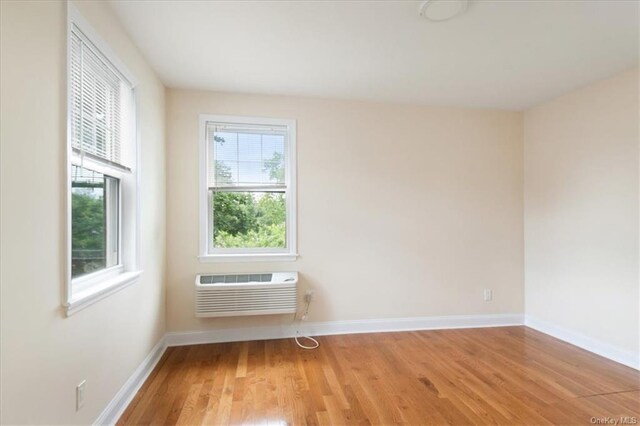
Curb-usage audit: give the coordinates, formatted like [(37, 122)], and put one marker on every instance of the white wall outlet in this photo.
[(309, 295), (488, 295), (80, 391)]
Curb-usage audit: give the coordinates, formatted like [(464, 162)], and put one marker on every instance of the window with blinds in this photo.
[(248, 183), (102, 150), (99, 94)]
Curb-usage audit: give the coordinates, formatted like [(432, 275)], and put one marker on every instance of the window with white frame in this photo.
[(102, 180), (248, 193)]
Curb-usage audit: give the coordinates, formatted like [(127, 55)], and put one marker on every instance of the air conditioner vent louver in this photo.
[(220, 295), (244, 278)]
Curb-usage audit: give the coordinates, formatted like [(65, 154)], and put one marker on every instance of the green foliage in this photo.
[(234, 212), (223, 172), (88, 221), (275, 167), (271, 209), (87, 232), (265, 236), (240, 220)]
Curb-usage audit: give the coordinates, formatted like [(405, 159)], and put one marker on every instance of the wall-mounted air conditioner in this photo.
[(225, 295)]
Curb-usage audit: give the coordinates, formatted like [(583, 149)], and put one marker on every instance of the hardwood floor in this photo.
[(507, 375)]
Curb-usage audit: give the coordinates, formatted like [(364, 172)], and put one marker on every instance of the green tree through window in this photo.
[(249, 219), (88, 230)]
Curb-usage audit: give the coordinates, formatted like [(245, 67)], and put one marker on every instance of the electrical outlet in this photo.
[(309, 295), (80, 391), (488, 295)]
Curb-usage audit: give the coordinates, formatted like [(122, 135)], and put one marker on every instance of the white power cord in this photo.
[(315, 344)]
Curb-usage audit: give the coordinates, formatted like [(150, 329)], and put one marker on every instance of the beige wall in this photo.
[(403, 211), (581, 211), (45, 355)]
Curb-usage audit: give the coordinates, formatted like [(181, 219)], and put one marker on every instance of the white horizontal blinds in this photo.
[(248, 156), (97, 92)]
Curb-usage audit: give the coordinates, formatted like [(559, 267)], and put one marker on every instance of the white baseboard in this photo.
[(341, 327), (125, 395), (598, 347), (121, 400)]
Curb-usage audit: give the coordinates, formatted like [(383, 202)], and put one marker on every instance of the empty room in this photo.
[(319, 212)]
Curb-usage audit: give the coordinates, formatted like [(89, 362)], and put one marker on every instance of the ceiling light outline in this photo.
[(424, 6)]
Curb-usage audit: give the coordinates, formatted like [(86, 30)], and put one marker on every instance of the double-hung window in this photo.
[(102, 182), (247, 186)]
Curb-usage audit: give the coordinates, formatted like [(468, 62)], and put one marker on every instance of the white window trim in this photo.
[(87, 290), (255, 254)]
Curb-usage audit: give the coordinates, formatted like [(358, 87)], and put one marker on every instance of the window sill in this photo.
[(99, 291), (263, 257)]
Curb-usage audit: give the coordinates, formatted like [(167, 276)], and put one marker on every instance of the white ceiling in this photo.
[(503, 54)]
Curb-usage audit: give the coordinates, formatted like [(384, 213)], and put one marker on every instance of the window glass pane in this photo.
[(249, 219), (245, 158), (94, 221), (250, 146)]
